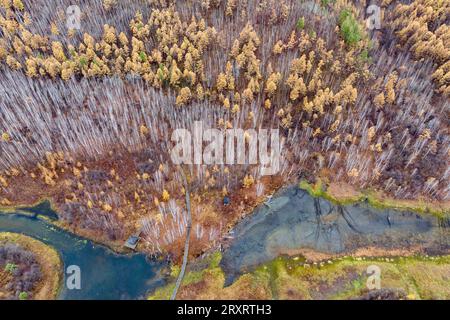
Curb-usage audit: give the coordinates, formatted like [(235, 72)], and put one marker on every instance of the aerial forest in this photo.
[(86, 114)]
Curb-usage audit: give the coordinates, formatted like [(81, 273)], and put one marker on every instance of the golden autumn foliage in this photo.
[(143, 130), (165, 196), (422, 26), (248, 181), (106, 207), (390, 92), (339, 114), (3, 182), (379, 100), (184, 96), (272, 82), (6, 137)]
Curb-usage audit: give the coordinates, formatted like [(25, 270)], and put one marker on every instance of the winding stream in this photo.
[(104, 274)]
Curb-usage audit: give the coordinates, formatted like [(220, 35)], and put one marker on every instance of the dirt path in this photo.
[(186, 243)]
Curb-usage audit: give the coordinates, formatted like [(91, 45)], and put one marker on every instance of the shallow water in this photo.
[(295, 220), (104, 274)]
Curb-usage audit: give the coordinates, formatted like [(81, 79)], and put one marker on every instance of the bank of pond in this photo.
[(289, 223)]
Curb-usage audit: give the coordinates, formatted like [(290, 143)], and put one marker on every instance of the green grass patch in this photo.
[(301, 23), (420, 277)]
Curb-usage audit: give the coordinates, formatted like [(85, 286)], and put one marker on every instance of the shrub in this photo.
[(23, 295), (350, 29), (301, 23), (325, 3), (10, 267)]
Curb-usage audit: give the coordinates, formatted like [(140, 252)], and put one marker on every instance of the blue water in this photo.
[(104, 274), (294, 220)]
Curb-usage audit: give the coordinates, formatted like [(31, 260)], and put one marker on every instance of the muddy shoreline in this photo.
[(295, 222)]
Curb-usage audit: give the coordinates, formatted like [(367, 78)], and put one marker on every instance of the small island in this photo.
[(29, 269)]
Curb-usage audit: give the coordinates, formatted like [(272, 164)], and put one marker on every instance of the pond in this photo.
[(295, 220), (104, 274)]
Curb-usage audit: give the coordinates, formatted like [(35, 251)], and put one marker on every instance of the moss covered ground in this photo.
[(417, 277)]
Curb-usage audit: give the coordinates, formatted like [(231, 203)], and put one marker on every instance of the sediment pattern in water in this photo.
[(295, 220)]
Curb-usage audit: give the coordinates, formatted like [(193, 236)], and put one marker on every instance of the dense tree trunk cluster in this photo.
[(89, 114)]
